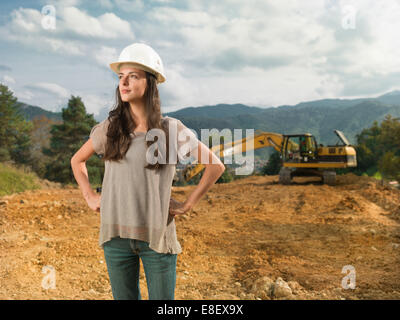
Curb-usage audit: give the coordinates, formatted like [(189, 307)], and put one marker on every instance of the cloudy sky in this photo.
[(260, 53)]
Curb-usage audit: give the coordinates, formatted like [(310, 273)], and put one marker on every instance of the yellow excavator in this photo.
[(300, 155)]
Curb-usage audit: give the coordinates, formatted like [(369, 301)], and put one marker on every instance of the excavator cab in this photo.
[(299, 148)]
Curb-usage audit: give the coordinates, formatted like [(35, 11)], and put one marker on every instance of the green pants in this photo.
[(122, 258)]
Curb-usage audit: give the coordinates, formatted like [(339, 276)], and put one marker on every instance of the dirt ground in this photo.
[(240, 236)]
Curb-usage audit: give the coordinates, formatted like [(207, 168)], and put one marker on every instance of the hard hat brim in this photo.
[(115, 67)]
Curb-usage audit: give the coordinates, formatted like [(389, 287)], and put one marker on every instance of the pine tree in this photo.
[(40, 139), (66, 139), (14, 130), (274, 164)]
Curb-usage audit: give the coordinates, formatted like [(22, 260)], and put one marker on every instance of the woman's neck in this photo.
[(138, 113)]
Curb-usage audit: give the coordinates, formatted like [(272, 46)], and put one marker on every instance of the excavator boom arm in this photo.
[(260, 140)]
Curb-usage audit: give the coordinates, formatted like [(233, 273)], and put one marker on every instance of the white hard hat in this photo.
[(142, 57)]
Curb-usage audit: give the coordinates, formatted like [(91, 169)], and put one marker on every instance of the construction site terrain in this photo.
[(249, 239)]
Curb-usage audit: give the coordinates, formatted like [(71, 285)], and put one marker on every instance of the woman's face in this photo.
[(132, 83)]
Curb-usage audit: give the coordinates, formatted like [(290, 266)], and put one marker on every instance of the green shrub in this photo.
[(14, 180)]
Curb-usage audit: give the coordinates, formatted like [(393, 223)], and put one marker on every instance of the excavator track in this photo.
[(329, 178), (285, 176)]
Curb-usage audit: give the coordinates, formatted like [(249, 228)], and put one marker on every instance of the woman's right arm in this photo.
[(78, 165)]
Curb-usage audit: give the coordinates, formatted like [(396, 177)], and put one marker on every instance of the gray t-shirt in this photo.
[(134, 200)]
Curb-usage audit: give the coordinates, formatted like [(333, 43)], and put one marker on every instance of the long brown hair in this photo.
[(122, 124)]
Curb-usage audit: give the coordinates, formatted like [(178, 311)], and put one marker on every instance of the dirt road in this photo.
[(237, 242)]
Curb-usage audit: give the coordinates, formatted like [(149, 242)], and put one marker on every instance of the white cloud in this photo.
[(25, 20), (257, 52), (252, 86), (186, 18), (177, 90), (43, 43), (70, 23), (65, 47), (25, 95), (214, 40), (106, 55), (50, 88), (94, 103), (8, 79), (107, 25), (74, 28)]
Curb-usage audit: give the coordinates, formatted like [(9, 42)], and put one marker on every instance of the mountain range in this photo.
[(319, 117)]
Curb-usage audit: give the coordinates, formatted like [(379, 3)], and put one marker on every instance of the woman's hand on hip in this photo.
[(93, 201), (177, 207)]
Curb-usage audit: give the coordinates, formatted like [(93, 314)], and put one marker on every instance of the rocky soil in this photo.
[(248, 239)]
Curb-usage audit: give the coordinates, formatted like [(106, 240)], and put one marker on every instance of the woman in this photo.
[(136, 208)]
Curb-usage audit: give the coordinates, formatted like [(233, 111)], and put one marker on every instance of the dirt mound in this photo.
[(249, 239), (46, 184)]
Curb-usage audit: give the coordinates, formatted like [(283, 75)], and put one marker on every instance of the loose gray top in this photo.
[(134, 200)]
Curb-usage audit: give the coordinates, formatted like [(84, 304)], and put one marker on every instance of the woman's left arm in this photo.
[(214, 169)]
